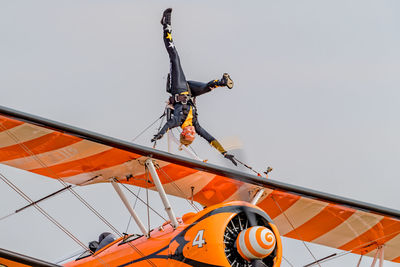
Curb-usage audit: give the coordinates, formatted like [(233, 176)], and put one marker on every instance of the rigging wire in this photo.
[(23, 146), (48, 216), (15, 138), (363, 245), (248, 167), (287, 261), (177, 188), (133, 207), (36, 201), (294, 229), (148, 127), (141, 200)]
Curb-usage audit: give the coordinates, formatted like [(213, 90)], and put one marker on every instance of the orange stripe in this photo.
[(45, 143), (249, 246), (96, 162), (174, 172), (396, 259), (7, 123), (329, 218), (277, 202), (259, 240), (240, 250), (217, 190), (387, 227)]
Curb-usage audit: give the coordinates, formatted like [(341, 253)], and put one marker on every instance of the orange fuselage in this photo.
[(197, 241)]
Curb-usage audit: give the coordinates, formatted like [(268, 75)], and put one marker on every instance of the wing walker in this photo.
[(242, 216)]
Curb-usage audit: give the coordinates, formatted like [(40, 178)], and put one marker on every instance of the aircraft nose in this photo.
[(256, 242)]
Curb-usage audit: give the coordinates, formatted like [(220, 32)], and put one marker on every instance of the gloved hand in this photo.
[(230, 157), (156, 137)]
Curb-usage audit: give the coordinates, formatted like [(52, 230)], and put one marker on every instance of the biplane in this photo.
[(243, 215)]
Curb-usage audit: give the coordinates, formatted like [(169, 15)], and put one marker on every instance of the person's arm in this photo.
[(171, 123), (214, 142)]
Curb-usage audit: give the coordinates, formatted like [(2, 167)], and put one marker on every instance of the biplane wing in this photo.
[(82, 157)]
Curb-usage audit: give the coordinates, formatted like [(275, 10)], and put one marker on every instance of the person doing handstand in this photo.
[(184, 95)]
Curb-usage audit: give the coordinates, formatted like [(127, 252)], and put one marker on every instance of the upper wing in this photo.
[(81, 157)]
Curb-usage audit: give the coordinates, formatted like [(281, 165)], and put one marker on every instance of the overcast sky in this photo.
[(316, 97)]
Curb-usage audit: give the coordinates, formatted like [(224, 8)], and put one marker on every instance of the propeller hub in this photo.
[(256, 242)]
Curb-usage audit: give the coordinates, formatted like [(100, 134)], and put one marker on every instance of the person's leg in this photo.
[(199, 88), (178, 80), (224, 81)]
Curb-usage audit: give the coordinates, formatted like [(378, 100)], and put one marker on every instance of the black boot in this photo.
[(226, 81), (166, 18)]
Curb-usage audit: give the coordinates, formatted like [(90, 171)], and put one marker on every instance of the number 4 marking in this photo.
[(199, 240)]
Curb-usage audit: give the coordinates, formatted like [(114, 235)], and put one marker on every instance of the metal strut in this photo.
[(128, 206), (257, 196), (379, 254), (163, 195)]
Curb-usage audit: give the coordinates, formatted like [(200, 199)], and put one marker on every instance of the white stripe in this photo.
[(354, 226), (391, 249), (254, 241), (243, 192), (65, 154), (198, 180), (266, 232), (299, 213), (134, 167), (24, 132), (243, 247)]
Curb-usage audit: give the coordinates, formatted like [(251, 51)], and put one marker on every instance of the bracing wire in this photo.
[(133, 207), (31, 204), (141, 200), (178, 188), (287, 218), (23, 146), (148, 127), (62, 182), (365, 244), (48, 216), (288, 261)]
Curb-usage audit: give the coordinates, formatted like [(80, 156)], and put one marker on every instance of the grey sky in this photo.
[(316, 96)]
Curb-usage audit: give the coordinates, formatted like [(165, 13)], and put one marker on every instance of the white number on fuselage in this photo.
[(199, 240)]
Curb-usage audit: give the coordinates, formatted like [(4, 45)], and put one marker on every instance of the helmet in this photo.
[(187, 135)]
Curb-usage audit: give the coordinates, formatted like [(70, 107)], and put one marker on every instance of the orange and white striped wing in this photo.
[(77, 159)]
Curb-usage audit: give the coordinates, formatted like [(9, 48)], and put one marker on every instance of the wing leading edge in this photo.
[(81, 157)]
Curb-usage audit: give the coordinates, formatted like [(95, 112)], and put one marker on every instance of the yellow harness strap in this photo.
[(189, 119)]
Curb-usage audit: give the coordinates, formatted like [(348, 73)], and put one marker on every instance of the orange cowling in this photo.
[(199, 240)]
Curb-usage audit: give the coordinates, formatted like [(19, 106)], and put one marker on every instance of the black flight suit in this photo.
[(192, 89)]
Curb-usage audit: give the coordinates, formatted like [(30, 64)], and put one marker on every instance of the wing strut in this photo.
[(379, 254), (131, 211), (257, 197), (160, 189)]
